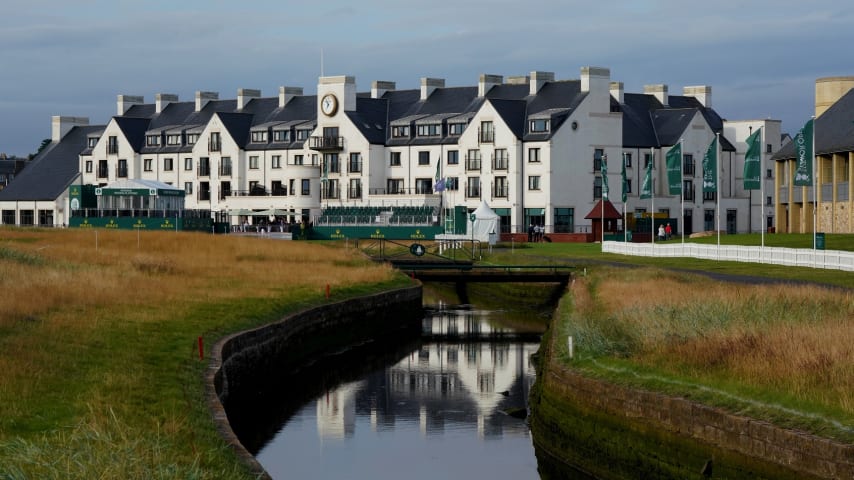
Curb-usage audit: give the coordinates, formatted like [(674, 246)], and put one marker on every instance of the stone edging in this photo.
[(257, 340), (798, 451)]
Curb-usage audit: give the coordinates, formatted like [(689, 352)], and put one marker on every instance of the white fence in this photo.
[(797, 257)]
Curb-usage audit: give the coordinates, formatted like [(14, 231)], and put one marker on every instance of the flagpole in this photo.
[(718, 163), (761, 198), (682, 189), (652, 195), (602, 199), (814, 192), (623, 186)]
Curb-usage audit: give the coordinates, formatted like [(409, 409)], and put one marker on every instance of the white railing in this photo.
[(796, 257)]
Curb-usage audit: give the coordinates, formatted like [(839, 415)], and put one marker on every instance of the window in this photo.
[(768, 173), (188, 163), (423, 186), (539, 125), (305, 187), (394, 185), (259, 136), (711, 196), (534, 182), (152, 140), (500, 189), (456, 128), (224, 190), (564, 220), (167, 164), (204, 167), (394, 159), (533, 155), (628, 186), (473, 187), (423, 158), (430, 130), (768, 148), (314, 159), (627, 159), (204, 191), (355, 190), (688, 189), (92, 141), (298, 159), (453, 157), (281, 135), (355, 165), (597, 188), (768, 201), (215, 142), (500, 159), (276, 161), (647, 157), (113, 144), (329, 189), (225, 167), (173, 139), (688, 165), (277, 189), (122, 169), (88, 166), (330, 163), (597, 159), (188, 188), (192, 138), (473, 160), (102, 169), (303, 133), (452, 183), (291, 186), (400, 131), (253, 162), (146, 164), (486, 134)]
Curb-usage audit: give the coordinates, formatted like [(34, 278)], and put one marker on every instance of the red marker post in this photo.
[(201, 349)]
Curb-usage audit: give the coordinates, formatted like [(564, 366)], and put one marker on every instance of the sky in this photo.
[(72, 58)]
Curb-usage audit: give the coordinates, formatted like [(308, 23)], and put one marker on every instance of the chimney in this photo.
[(703, 94), (379, 87), (59, 126), (246, 94), (596, 81), (486, 82), (538, 79), (202, 99), (659, 91), (124, 103), (161, 100), (517, 80), (618, 92), (430, 84), (287, 93)]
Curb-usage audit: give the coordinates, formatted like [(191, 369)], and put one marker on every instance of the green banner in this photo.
[(752, 160), (710, 167), (646, 187), (674, 169), (605, 177), (804, 155), (625, 180)]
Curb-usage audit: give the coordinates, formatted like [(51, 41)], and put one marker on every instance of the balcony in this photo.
[(330, 193), (102, 172), (473, 164), (121, 172), (485, 135), (473, 191), (204, 171), (354, 193), (326, 144), (225, 170), (500, 163), (354, 166), (214, 146), (500, 191), (113, 149), (204, 195)]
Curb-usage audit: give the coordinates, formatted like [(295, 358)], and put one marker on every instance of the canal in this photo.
[(449, 404)]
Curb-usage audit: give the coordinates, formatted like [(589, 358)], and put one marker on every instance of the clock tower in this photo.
[(335, 95)]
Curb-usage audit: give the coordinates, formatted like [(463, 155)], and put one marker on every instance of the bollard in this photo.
[(569, 346), (201, 349)]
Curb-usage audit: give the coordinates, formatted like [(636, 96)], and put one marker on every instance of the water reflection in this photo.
[(441, 411)]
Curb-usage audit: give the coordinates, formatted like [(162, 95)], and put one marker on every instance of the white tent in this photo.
[(483, 224)]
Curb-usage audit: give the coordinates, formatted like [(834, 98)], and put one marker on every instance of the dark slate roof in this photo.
[(370, 118), (133, 128), (52, 170), (513, 114), (670, 124), (834, 130), (237, 125)]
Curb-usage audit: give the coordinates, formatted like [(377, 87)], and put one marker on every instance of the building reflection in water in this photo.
[(440, 409)]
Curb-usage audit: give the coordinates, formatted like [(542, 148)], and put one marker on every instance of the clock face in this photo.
[(329, 104)]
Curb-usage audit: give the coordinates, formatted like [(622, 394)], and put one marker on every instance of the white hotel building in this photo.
[(530, 146)]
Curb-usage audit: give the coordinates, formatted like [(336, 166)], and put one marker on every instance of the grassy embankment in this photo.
[(783, 353), (99, 368)]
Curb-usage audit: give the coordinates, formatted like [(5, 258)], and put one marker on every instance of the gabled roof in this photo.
[(133, 129), (512, 112), (647, 123), (52, 170), (609, 211), (237, 125), (670, 124), (834, 130)]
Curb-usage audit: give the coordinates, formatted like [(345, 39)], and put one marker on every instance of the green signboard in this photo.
[(134, 223), (383, 232)]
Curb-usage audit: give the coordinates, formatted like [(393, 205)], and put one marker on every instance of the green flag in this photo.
[(804, 155), (710, 167), (752, 163), (673, 162), (646, 187), (604, 177), (625, 181)]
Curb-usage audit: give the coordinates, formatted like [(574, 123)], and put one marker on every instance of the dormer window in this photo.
[(173, 139), (281, 135), (92, 141), (192, 138), (400, 131), (303, 134), (152, 140), (539, 125), (429, 130), (259, 136), (456, 128)]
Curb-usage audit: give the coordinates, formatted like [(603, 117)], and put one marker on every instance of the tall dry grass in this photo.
[(100, 337), (794, 340)]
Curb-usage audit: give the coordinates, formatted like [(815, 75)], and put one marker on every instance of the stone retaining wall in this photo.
[(798, 451), (242, 359)]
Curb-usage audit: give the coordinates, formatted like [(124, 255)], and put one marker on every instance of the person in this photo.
[(661, 233), (668, 232), (531, 232)]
